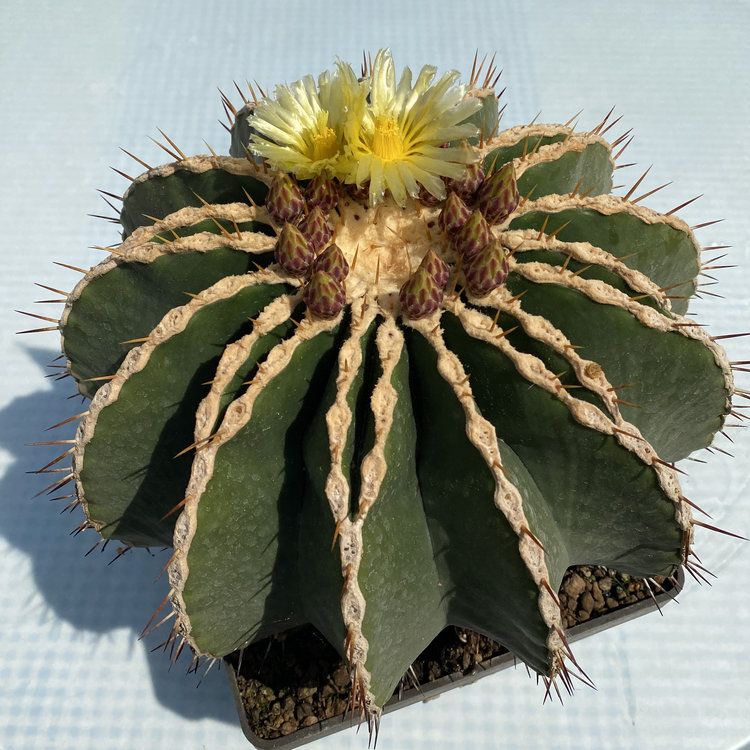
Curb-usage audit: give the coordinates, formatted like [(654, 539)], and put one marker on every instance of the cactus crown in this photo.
[(394, 398)]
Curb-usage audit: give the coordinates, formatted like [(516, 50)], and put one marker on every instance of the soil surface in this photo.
[(298, 679)]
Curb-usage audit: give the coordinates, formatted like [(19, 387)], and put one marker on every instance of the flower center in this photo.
[(325, 145), (387, 142)]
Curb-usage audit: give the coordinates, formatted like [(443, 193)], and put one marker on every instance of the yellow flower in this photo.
[(301, 130), (392, 137), (395, 139)]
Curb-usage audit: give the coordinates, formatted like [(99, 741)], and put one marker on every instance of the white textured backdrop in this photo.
[(77, 82)]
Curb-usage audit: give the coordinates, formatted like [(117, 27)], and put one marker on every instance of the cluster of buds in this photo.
[(466, 218), (324, 294), (302, 248), (473, 205), (286, 202)]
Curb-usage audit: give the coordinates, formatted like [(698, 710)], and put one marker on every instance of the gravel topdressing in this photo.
[(298, 679)]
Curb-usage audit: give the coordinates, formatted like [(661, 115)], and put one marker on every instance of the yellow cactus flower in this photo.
[(301, 130), (373, 132), (396, 138)]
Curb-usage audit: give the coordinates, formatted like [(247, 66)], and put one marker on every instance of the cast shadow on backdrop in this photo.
[(88, 592)]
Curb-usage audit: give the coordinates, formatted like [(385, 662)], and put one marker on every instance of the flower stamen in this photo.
[(387, 142), (325, 145)]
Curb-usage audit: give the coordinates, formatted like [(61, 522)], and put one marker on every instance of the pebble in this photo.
[(341, 677), (303, 711), (586, 603), (574, 586), (596, 593), (288, 727)]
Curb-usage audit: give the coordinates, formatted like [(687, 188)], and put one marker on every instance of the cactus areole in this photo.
[(389, 368)]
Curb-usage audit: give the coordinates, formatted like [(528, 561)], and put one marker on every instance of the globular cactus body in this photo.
[(419, 418)]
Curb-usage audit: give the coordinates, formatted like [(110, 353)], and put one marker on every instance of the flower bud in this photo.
[(324, 296), (333, 262), (466, 187), (487, 270), (284, 200), (420, 295), (436, 268), (316, 228), (472, 236), (498, 195), (293, 252), (321, 191), (454, 214)]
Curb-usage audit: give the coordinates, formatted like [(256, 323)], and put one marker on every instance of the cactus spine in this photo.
[(393, 399)]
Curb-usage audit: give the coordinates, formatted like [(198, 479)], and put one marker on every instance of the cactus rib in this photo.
[(265, 451), (128, 500)]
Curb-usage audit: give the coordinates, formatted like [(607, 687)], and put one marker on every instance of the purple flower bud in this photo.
[(487, 270), (333, 262), (284, 200), (293, 252), (436, 268), (466, 187), (324, 296), (454, 214), (420, 295), (321, 191), (472, 236), (316, 228), (498, 195)]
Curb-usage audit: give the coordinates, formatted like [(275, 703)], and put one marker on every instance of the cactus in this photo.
[(387, 368)]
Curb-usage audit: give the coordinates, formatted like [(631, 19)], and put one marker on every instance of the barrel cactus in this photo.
[(389, 368)]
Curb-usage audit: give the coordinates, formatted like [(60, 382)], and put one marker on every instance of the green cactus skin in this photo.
[(390, 467)]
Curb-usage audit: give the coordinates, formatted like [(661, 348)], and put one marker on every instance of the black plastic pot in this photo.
[(431, 690)]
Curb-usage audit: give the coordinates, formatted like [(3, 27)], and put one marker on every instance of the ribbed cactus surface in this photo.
[(389, 368)]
